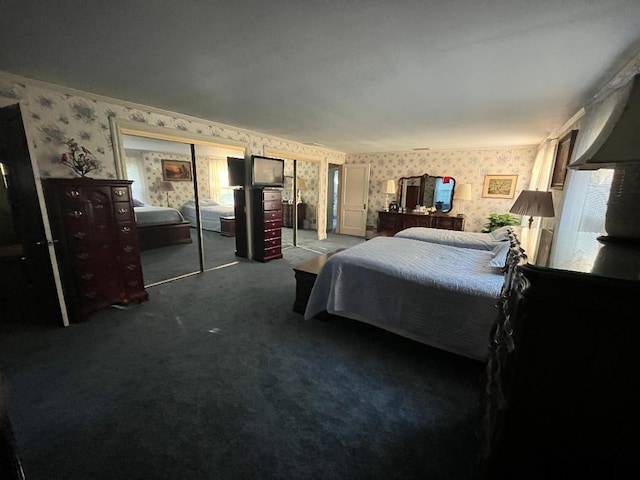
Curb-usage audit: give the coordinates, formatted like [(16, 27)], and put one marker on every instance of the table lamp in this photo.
[(389, 188), (533, 203), (166, 187), (463, 193)]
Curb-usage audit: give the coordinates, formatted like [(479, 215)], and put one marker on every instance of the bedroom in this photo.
[(52, 114)]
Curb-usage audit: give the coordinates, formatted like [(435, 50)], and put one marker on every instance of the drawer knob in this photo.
[(75, 214), (87, 276), (132, 266), (90, 294), (82, 256), (80, 235), (72, 193), (122, 211), (128, 248), (119, 193), (132, 283), (126, 229)]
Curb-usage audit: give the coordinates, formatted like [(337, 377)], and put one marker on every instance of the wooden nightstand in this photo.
[(228, 226)]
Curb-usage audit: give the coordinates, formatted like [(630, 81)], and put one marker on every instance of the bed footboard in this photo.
[(155, 236)]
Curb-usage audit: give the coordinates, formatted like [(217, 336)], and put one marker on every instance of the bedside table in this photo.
[(228, 226)]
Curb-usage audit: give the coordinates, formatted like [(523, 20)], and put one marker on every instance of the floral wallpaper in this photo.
[(465, 166), (54, 114)]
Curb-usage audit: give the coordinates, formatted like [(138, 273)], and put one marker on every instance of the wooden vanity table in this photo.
[(396, 221), (427, 191)]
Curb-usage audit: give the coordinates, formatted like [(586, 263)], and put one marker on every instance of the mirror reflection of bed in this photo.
[(166, 216)]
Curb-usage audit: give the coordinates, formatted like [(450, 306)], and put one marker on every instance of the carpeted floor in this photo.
[(216, 377), (164, 263)]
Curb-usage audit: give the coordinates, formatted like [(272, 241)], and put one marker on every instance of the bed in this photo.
[(160, 226), (210, 213), (474, 240), (440, 295)]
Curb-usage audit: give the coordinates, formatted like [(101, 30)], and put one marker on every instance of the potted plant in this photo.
[(497, 220)]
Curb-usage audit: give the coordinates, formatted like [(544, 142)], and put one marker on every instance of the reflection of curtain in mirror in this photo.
[(219, 189), (135, 172)]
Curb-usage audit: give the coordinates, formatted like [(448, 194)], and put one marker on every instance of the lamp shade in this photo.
[(533, 203), (301, 184), (462, 192), (389, 187), (166, 187)]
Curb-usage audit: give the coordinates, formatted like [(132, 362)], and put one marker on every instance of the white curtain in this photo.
[(218, 178), (135, 172), (540, 179), (582, 219)]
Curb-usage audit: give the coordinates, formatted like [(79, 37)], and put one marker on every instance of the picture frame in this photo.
[(499, 186), (561, 161), (176, 170)]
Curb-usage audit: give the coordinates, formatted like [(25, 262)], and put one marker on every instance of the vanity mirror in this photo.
[(426, 191)]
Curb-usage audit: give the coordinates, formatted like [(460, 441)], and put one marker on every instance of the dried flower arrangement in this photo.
[(79, 159)]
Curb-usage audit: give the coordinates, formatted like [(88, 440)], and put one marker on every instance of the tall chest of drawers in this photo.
[(93, 224), (267, 223)]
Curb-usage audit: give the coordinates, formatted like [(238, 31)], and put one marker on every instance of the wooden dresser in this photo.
[(287, 214), (562, 392), (267, 223), (395, 221), (93, 224)]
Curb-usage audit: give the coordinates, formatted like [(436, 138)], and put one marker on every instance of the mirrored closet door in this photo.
[(300, 203), (184, 206), (215, 204)]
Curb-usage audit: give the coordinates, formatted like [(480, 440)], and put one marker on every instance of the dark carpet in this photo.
[(215, 377)]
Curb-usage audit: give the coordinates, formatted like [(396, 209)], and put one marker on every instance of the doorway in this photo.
[(29, 289), (333, 188)]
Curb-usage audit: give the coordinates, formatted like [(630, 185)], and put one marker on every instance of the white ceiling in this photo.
[(355, 76)]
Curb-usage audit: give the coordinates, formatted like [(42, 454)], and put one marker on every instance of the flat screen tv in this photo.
[(267, 172), (237, 171)]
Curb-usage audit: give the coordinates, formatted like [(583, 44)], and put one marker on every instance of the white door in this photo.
[(354, 199)]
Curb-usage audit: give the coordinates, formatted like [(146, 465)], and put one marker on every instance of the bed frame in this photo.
[(155, 236)]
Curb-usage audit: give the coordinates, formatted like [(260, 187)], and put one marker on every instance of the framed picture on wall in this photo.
[(499, 186), (176, 171), (563, 155)]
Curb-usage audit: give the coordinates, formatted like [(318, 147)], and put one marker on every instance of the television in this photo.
[(267, 172), (237, 171)]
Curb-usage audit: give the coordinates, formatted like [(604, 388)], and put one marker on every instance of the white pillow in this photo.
[(499, 257), (501, 234)]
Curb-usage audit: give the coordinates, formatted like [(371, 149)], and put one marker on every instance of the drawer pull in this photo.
[(90, 294), (126, 229), (75, 214), (122, 211), (87, 276), (82, 256), (72, 193), (118, 193), (128, 248), (80, 235), (132, 266)]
